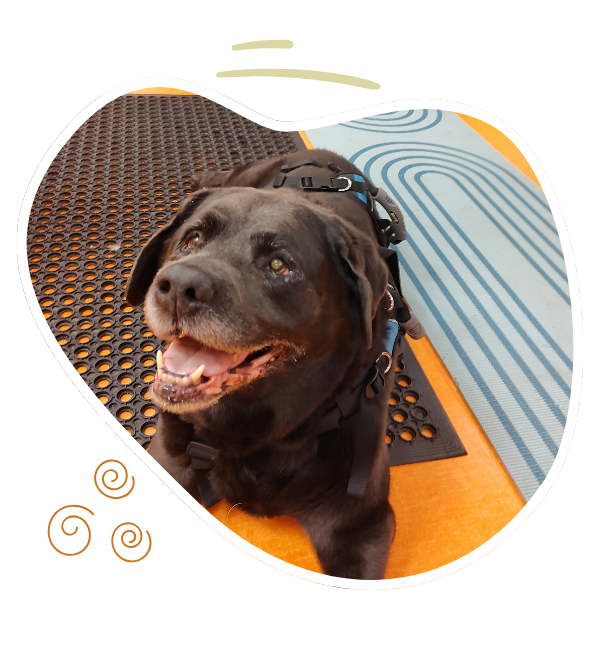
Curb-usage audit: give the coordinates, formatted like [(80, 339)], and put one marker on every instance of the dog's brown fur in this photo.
[(329, 313)]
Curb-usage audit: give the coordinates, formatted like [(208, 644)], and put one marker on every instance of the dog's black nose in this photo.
[(183, 288)]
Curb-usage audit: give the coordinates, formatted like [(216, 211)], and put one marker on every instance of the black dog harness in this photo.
[(355, 410)]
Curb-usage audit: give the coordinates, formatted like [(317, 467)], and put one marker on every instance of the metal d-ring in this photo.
[(391, 299), (345, 189), (389, 356)]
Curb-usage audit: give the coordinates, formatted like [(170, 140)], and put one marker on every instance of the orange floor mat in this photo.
[(444, 509)]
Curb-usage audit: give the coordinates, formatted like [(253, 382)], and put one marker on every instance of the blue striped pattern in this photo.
[(483, 269)]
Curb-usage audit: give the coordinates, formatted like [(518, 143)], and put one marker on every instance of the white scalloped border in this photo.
[(136, 449)]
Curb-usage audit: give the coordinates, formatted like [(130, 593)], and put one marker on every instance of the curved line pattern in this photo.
[(498, 194), (498, 331), (397, 117), (526, 408), (498, 302), (422, 118), (399, 130), (471, 176), (513, 240), (504, 186), (489, 394), (484, 269), (483, 162)]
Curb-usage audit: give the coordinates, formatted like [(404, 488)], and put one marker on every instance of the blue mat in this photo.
[(483, 268)]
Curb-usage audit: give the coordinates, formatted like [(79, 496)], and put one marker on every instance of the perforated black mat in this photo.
[(418, 427), (119, 178)]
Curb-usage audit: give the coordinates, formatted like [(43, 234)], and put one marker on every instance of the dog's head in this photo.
[(259, 292)]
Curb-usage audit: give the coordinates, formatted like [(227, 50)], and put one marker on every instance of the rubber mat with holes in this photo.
[(119, 178), (418, 427)]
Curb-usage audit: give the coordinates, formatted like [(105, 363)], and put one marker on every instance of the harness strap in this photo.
[(372, 382), (365, 442), (203, 460), (364, 449), (341, 416), (392, 231), (286, 169)]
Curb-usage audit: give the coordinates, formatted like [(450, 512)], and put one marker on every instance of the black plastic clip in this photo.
[(279, 180), (376, 377), (203, 456)]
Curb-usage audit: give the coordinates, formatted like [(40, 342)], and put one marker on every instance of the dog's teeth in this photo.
[(195, 376), (160, 362), (235, 358), (187, 381)]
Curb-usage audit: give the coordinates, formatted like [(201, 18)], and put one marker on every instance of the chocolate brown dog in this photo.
[(271, 300)]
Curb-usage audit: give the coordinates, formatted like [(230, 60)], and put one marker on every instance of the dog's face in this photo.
[(257, 291)]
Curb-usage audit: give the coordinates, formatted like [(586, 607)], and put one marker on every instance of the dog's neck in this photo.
[(242, 426)]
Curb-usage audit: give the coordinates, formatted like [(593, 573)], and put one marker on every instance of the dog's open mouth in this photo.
[(191, 372)]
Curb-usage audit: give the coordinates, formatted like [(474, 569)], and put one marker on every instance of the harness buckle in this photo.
[(344, 189)]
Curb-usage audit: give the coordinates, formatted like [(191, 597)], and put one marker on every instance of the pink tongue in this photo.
[(185, 355)]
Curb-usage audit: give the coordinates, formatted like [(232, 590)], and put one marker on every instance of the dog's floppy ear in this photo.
[(147, 264), (358, 259)]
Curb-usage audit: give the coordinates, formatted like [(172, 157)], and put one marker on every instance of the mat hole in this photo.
[(399, 416), (124, 414), (428, 432), (407, 434), (419, 413), (149, 429)]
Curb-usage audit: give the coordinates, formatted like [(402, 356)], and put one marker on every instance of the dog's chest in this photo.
[(272, 483), (258, 493)]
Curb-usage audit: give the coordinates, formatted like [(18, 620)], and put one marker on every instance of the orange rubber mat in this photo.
[(444, 509)]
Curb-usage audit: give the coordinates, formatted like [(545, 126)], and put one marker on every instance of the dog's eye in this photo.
[(193, 241), (279, 266)]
